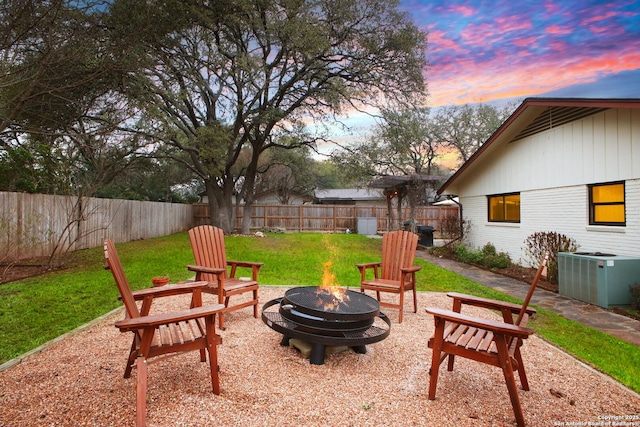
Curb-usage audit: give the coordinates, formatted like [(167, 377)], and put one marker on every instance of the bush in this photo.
[(635, 295), (549, 241), (487, 256), (468, 256), (492, 259)]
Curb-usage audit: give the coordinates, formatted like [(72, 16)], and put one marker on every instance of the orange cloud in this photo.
[(493, 81)]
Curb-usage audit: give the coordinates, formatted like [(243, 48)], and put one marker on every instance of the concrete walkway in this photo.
[(614, 324)]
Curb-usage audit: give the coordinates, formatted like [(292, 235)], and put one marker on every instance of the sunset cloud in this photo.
[(481, 51)]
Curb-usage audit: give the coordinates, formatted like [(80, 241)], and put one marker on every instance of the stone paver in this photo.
[(611, 323)]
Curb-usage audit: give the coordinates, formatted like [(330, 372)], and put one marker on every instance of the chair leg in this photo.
[(436, 358), (415, 299), (521, 372), (212, 348), (451, 362), (141, 392), (507, 369), (401, 305), (221, 321), (133, 354), (255, 305)]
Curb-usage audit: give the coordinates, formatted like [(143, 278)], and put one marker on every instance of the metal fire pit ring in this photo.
[(357, 340)]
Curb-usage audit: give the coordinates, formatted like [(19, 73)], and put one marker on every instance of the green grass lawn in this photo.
[(42, 308)]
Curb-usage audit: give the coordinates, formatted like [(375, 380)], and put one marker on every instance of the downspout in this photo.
[(460, 237)]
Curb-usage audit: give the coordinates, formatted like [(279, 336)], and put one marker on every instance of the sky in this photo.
[(481, 51)]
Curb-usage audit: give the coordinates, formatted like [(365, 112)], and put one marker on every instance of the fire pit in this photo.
[(327, 317)]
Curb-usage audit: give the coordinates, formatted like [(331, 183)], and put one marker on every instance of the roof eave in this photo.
[(519, 114)]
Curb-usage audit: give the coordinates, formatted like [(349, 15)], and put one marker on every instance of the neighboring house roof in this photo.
[(455, 201), (388, 182), (274, 193), (345, 194), (533, 116)]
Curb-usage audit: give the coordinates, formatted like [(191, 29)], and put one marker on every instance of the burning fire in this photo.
[(330, 294)]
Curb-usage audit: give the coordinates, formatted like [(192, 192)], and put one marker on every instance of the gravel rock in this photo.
[(78, 382)]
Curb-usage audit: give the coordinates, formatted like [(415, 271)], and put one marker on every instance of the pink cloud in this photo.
[(512, 23), (458, 9), (459, 85), (479, 34), (609, 30), (558, 30), (438, 42), (598, 18), (525, 41), (552, 8), (486, 33), (464, 10)]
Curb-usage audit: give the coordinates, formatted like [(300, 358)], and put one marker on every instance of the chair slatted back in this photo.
[(112, 261), (542, 272), (207, 243), (398, 251)]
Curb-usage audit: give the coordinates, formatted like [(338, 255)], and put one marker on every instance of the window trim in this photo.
[(592, 205), (503, 221)]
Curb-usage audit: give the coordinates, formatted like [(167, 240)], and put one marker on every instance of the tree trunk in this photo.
[(214, 208), (249, 184)]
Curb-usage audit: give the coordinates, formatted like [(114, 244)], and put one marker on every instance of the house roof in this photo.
[(349, 194), (398, 181), (533, 116)]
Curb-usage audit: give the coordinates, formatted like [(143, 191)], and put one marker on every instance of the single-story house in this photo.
[(351, 196), (570, 166)]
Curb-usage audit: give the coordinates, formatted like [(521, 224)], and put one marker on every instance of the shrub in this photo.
[(492, 259), (487, 256), (548, 241), (467, 255), (635, 295)]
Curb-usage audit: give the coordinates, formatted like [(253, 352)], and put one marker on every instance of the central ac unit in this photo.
[(599, 279)]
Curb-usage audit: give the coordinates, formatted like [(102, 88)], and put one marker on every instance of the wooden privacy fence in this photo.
[(328, 218), (34, 225)]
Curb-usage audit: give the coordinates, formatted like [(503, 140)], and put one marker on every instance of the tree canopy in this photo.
[(93, 90), (240, 77)]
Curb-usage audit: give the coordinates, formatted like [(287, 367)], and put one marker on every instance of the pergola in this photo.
[(402, 186)]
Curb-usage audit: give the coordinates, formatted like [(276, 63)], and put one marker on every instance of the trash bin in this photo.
[(425, 233)]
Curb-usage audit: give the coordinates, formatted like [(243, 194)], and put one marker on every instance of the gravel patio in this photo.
[(78, 381)]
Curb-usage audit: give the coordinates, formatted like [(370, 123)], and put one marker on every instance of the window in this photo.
[(504, 207), (606, 204)]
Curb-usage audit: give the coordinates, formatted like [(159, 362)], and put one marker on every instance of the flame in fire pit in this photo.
[(330, 294)]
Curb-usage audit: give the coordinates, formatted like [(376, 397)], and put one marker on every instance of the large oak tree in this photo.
[(240, 76)]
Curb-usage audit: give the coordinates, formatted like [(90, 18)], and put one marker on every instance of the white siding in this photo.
[(551, 171), (563, 210), (599, 148)]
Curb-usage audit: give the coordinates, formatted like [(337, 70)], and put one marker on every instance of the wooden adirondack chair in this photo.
[(396, 273), (164, 333), (207, 243), (486, 341)]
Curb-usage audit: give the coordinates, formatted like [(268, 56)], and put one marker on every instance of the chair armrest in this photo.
[(249, 264), (166, 318), (476, 322), (369, 265), (364, 267), (254, 266), (411, 269), (203, 269), (488, 303), (168, 290)]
